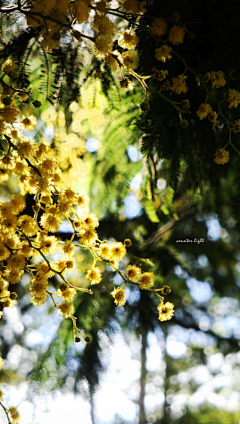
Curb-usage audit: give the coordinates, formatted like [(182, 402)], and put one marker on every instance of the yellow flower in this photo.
[(4, 252), (18, 203), (9, 224), (176, 35), (66, 309), (163, 53), (69, 195), (10, 113), (222, 157), (39, 285), (146, 281), (133, 272), (118, 251), (13, 275), (8, 66), (27, 148), (101, 7), (103, 45), (94, 275), (119, 296), (128, 39), (88, 237), (130, 59), (166, 311), (179, 84), (217, 79), (212, 117), (28, 225), (130, 6), (49, 244), (50, 222), (68, 248), (48, 166), (159, 27), (204, 110), (16, 261), (236, 127), (66, 292), (14, 414), (90, 221), (104, 25), (1, 393), (29, 122), (105, 251), (82, 200), (111, 61), (233, 98), (80, 11)]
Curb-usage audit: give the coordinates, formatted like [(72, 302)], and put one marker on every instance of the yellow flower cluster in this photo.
[(145, 279), (52, 17), (24, 235)]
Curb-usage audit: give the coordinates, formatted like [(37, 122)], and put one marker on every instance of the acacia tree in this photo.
[(183, 109)]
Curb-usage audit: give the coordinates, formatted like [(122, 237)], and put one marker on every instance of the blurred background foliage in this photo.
[(154, 183)]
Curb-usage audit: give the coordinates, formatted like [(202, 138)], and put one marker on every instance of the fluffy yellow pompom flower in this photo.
[(18, 203), (233, 98), (179, 84), (82, 200), (176, 35), (4, 252), (66, 309), (105, 251), (29, 122), (146, 281), (166, 311), (133, 273), (66, 292), (94, 275), (111, 61), (236, 128), (159, 27), (163, 53), (130, 6), (118, 251), (104, 25), (1, 362), (128, 39), (130, 59), (217, 79), (222, 157), (28, 225), (204, 110), (103, 45), (14, 414), (50, 222), (80, 11), (27, 148), (16, 262), (89, 237), (119, 296), (212, 117), (68, 248)]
